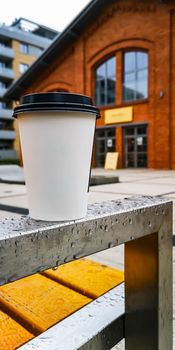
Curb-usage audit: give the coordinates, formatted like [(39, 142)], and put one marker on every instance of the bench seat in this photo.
[(33, 304)]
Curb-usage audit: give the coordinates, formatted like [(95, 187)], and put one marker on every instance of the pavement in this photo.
[(11, 174), (132, 182)]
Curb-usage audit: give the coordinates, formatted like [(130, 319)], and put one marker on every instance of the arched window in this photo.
[(135, 75), (105, 82)]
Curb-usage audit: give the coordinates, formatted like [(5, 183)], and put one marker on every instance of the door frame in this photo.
[(104, 128), (124, 127)]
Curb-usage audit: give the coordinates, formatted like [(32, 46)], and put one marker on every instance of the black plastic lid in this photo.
[(55, 101)]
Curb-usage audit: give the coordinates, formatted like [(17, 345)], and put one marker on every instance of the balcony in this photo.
[(2, 91), (7, 73), (7, 135), (6, 53), (6, 114), (8, 154)]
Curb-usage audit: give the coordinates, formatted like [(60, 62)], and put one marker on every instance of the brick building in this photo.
[(122, 53)]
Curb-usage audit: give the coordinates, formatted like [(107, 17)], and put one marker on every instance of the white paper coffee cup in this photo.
[(57, 132)]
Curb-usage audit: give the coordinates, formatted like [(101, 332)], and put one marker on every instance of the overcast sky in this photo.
[(56, 14)]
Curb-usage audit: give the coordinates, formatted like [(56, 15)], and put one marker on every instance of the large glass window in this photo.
[(24, 48), (3, 105), (23, 67), (2, 85), (135, 76), (5, 145), (105, 82), (2, 64)]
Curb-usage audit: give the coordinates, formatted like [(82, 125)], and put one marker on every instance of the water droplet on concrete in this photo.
[(54, 268), (90, 233), (77, 256), (66, 259), (111, 245)]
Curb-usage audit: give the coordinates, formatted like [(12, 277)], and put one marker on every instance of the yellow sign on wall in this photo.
[(119, 115)]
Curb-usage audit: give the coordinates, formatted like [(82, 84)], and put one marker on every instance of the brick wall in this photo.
[(124, 25)]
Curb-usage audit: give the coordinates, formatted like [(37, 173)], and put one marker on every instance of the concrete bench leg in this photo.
[(148, 290)]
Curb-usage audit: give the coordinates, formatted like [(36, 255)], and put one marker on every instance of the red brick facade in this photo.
[(126, 25)]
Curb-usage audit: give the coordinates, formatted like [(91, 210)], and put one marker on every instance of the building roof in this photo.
[(34, 28), (35, 34), (70, 34)]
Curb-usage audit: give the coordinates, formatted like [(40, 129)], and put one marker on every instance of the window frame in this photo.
[(3, 64), (3, 85), (96, 80), (22, 65), (135, 72), (3, 105), (22, 46)]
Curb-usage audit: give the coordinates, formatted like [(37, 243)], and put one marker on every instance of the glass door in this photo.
[(135, 146), (105, 142)]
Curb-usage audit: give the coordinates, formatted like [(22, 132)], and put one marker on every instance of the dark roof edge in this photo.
[(70, 33)]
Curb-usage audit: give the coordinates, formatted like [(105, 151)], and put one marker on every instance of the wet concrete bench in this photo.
[(141, 312)]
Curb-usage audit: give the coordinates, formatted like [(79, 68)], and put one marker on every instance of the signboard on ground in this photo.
[(111, 161)]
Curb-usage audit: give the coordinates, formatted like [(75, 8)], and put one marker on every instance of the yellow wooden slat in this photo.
[(40, 302), (87, 277), (12, 334)]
